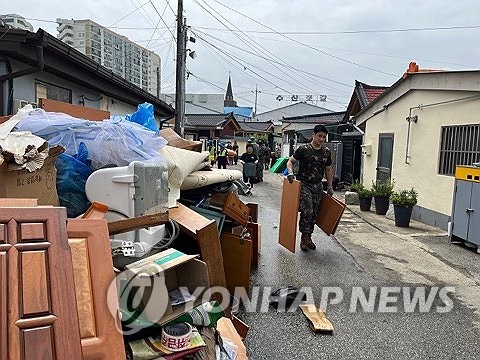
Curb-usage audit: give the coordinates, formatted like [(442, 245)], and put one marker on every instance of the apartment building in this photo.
[(116, 52), (16, 21)]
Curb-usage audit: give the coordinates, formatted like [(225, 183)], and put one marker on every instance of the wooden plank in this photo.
[(175, 140), (189, 220), (211, 251), (205, 232), (287, 232), (237, 255), (254, 230), (95, 211), (4, 118), (227, 330), (139, 222), (77, 111), (253, 212), (240, 326), (17, 202), (236, 209), (93, 274), (317, 319), (329, 214)]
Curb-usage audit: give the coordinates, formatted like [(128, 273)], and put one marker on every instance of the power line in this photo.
[(345, 31), (130, 13), (306, 45), (296, 32), (257, 48), (158, 23), (173, 36), (254, 72), (245, 68), (170, 6), (287, 65), (351, 51)]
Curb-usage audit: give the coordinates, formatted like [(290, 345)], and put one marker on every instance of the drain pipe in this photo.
[(6, 92), (410, 118), (414, 118)]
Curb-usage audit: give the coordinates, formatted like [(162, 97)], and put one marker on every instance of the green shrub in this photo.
[(404, 197), (356, 186), (382, 188), (364, 193)]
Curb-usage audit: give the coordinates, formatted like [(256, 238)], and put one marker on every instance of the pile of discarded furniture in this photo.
[(111, 236)]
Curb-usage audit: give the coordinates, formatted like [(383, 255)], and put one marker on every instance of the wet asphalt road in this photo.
[(365, 252)]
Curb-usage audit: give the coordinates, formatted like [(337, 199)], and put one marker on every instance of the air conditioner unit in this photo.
[(18, 104)]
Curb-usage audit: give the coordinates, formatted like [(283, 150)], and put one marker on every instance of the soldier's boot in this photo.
[(304, 242), (309, 242)]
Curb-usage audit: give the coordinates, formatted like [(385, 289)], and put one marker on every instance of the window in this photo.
[(460, 145), (50, 91)]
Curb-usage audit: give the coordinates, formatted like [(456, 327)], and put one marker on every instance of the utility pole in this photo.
[(256, 95), (180, 71)]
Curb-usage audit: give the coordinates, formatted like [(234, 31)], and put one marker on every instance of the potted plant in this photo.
[(364, 198), (381, 191), (356, 185), (403, 202)]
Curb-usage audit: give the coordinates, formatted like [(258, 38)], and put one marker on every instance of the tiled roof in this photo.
[(373, 93), (363, 95), (207, 120), (328, 118), (368, 93), (255, 125)]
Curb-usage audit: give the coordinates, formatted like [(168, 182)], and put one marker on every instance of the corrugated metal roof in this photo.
[(239, 110)]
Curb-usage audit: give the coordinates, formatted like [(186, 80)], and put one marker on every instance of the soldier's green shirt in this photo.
[(312, 163)]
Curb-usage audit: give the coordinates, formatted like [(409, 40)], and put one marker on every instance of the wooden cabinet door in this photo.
[(37, 303), (237, 258), (93, 272), (287, 232)]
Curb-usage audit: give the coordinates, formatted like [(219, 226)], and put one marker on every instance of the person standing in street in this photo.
[(212, 152), (222, 156), (235, 148), (268, 155), (249, 161), (261, 160), (315, 161)]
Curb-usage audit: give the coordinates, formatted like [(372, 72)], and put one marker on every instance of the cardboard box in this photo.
[(40, 184), (158, 274)]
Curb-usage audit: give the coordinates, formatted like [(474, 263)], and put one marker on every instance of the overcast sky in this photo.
[(296, 47)]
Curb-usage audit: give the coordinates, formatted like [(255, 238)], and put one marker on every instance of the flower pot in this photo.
[(381, 204), (365, 203), (403, 215)]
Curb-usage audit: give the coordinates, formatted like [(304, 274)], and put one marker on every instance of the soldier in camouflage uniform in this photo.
[(315, 160)]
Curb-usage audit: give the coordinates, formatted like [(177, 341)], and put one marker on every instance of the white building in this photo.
[(199, 103), (416, 133), (125, 58), (16, 21)]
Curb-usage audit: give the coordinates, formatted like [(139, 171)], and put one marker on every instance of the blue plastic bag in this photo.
[(72, 174), (144, 116)]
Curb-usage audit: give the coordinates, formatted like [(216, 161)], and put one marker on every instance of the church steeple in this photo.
[(229, 102)]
